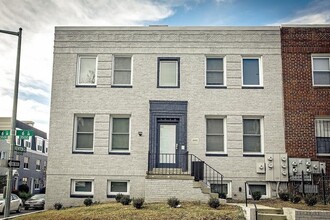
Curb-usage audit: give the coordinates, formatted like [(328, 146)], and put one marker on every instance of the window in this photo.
[(45, 165), (26, 163), (87, 66), (36, 184), (46, 146), (215, 75), (3, 155), (84, 134), (115, 187), (252, 71), (18, 141), (38, 165), (82, 187), (122, 73), (17, 157), (321, 71), (169, 72), (120, 134), (261, 187), (39, 143), (225, 187), (252, 136), (215, 138), (28, 142), (24, 180), (322, 133)]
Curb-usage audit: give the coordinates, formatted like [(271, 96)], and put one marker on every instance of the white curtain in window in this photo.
[(168, 75), (322, 128)]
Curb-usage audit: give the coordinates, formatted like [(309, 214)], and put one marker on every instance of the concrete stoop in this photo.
[(271, 214)]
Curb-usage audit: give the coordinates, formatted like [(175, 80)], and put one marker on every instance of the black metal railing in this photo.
[(253, 201), (186, 164)]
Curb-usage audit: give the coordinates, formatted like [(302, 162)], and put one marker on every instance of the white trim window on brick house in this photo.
[(84, 133), (82, 187), (216, 135), (252, 72), (37, 184), (118, 186), (263, 188), (39, 143), (86, 70), (168, 72), (120, 133), (38, 168), (122, 71), (253, 135), (215, 72), (321, 70), (225, 187), (28, 142), (26, 163), (322, 134)]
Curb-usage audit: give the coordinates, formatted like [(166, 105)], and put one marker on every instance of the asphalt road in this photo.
[(23, 212)]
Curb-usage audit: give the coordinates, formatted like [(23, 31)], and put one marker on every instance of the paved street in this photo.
[(23, 212)]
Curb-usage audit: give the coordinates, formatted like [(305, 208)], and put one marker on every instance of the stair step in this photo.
[(264, 216), (271, 211)]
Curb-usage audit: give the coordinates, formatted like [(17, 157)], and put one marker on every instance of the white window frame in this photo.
[(229, 185), (74, 192), (224, 71), (28, 143), (129, 135), (38, 164), (88, 56), (325, 56), (46, 146), (28, 160), (36, 181), (76, 129), (24, 180), (115, 193), (259, 58), (261, 118), (315, 122), (3, 155), (268, 191), (39, 139), (113, 70), (224, 118)]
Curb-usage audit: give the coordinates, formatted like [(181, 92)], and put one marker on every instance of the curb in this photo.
[(16, 216)]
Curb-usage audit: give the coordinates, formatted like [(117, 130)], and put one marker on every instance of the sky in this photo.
[(39, 17)]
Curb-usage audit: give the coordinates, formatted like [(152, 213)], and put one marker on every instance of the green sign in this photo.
[(24, 134), (20, 149), (4, 134)]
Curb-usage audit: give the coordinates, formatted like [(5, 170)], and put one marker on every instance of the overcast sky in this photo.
[(38, 18)]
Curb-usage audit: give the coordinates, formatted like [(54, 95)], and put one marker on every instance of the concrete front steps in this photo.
[(271, 214)]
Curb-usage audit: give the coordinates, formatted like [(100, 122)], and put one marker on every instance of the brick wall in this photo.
[(302, 101)]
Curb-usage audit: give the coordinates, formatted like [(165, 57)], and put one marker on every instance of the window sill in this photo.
[(215, 87), (252, 87), (26, 168), (216, 154), (82, 152), (81, 196), (119, 153), (121, 86), (321, 86), (323, 155), (253, 155), (86, 86), (112, 196), (168, 87)]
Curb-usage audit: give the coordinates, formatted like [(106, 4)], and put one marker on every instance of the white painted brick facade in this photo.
[(146, 45)]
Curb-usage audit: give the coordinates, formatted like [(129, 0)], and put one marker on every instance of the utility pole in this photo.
[(13, 121)]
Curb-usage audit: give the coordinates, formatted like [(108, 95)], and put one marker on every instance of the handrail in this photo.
[(254, 203)]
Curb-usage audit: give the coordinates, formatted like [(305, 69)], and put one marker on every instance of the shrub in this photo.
[(295, 198), (24, 196), (58, 206), (173, 202), (118, 197), (23, 188), (125, 200), (256, 195), (214, 203), (284, 196), (138, 202), (222, 195), (311, 200), (88, 202)]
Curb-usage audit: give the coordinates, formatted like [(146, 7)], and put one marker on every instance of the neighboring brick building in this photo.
[(306, 81)]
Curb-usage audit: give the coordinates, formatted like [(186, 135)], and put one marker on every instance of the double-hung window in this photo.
[(252, 72), (38, 165), (26, 163), (252, 135), (322, 133), (215, 73), (84, 133), (87, 70), (39, 143), (82, 187), (321, 71), (118, 186), (122, 71), (168, 73), (120, 134), (37, 184), (215, 135), (28, 142)]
